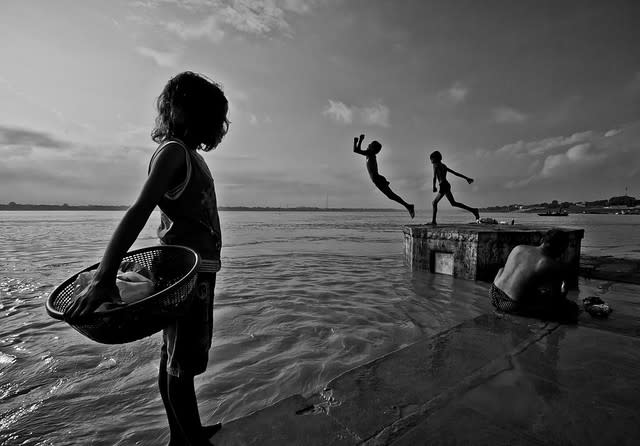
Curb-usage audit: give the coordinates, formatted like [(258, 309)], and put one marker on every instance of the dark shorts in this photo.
[(560, 310), (444, 187), (381, 181), (186, 342), (501, 301)]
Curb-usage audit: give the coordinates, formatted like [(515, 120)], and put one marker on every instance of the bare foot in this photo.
[(411, 209)]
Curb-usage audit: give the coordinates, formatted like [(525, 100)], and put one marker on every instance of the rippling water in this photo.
[(301, 298)]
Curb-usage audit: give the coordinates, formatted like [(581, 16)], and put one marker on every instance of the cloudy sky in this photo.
[(537, 100)]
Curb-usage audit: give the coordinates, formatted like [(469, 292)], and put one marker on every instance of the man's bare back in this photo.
[(529, 270), (532, 281)]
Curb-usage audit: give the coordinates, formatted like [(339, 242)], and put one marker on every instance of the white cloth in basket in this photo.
[(131, 280)]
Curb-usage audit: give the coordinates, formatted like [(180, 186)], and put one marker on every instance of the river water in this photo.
[(301, 298)]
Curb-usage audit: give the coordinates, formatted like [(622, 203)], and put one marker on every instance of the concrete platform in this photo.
[(491, 380), (476, 251)]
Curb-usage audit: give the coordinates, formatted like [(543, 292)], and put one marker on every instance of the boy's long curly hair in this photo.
[(193, 108)]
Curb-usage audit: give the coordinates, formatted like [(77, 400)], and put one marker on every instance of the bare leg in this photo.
[(385, 189), (435, 207), (163, 383), (454, 203), (182, 397)]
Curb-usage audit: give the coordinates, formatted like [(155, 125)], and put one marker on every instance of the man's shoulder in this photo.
[(547, 264), (522, 249), (526, 255)]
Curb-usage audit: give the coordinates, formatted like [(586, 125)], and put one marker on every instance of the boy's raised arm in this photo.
[(357, 145), (469, 180)]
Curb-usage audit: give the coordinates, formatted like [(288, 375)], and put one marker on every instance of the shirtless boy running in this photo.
[(440, 170), (372, 166)]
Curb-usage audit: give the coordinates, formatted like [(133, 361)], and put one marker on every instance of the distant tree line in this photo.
[(623, 200)]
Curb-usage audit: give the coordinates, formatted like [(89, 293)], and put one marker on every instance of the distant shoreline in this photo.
[(492, 209), (615, 205), (571, 210), (90, 207)]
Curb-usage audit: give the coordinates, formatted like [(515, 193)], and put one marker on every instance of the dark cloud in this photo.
[(24, 137)]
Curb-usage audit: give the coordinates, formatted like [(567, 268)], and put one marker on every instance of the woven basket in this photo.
[(174, 268)]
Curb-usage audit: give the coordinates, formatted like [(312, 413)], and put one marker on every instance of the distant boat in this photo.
[(559, 213)]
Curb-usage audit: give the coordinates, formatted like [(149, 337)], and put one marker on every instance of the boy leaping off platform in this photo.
[(440, 173), (372, 167)]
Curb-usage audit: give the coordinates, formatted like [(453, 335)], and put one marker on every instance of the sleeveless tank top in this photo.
[(189, 211)]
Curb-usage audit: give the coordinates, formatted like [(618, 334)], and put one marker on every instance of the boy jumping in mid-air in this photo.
[(440, 173), (372, 166)]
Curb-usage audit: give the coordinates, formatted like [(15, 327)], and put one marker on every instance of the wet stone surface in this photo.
[(610, 268), (396, 386), (493, 380), (568, 388), (292, 421)]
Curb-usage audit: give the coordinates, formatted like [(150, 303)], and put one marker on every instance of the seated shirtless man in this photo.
[(372, 167), (531, 283)]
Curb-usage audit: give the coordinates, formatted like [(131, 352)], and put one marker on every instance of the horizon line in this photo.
[(17, 206)]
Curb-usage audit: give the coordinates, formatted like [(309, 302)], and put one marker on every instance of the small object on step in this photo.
[(487, 221), (596, 307)]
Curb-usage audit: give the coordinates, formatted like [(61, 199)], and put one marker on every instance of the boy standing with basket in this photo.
[(192, 114)]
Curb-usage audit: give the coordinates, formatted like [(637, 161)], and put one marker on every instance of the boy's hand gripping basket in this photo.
[(175, 271)]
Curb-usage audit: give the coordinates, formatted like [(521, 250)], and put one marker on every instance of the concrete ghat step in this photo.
[(575, 386), (380, 401), (287, 422)]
